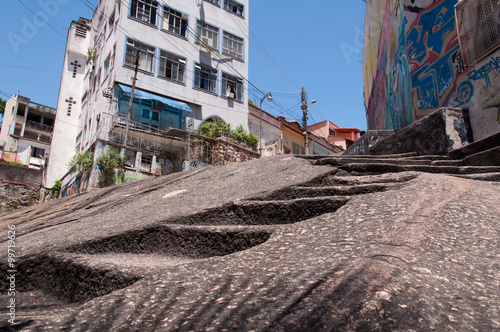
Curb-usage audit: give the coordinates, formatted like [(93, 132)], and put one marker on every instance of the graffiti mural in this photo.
[(388, 104), (413, 65), (435, 57)]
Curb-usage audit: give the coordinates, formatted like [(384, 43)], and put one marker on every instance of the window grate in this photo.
[(478, 23), (172, 66), (233, 46), (81, 31)]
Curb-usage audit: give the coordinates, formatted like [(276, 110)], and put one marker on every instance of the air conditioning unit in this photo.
[(158, 104), (206, 43), (230, 91)]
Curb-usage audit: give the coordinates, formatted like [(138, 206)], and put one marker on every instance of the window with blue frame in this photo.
[(151, 113), (145, 113)]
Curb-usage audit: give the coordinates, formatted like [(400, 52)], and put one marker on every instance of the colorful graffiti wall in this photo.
[(413, 65), (385, 67), (434, 56)]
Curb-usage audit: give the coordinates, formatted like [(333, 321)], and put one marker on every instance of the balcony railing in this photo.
[(39, 126), (42, 108), (36, 137)]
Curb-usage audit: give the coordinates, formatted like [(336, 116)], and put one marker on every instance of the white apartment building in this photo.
[(27, 131), (193, 66)]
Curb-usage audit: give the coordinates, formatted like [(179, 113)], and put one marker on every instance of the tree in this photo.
[(81, 163), (2, 105), (218, 128), (108, 162), (214, 129)]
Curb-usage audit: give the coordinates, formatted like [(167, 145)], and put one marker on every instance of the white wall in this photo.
[(66, 125)]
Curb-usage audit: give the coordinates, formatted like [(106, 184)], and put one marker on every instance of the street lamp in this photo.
[(269, 99)]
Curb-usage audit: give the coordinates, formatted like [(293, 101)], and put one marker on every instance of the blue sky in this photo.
[(313, 44)]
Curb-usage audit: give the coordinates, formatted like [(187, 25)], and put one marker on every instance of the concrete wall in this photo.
[(413, 65), (444, 130)]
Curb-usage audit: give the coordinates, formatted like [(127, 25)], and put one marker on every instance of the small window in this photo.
[(106, 67), (144, 10), (207, 35), (295, 148), (37, 152), (145, 113), (233, 46), (331, 132), (146, 54), (111, 23), (214, 2), (174, 22), (146, 160), (172, 66), (205, 78), (234, 7), (232, 87), (155, 116)]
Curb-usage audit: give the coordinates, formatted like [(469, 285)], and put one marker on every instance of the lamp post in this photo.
[(269, 99)]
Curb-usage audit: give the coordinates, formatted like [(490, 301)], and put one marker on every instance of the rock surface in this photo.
[(279, 244)]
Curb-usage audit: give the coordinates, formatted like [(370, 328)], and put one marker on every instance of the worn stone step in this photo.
[(490, 157), (476, 147), (343, 190), (374, 160), (494, 177), (446, 163), (254, 212), (384, 168)]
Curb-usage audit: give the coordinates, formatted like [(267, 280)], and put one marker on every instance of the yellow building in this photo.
[(292, 138)]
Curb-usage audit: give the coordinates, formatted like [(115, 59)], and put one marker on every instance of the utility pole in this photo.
[(131, 103), (304, 119)]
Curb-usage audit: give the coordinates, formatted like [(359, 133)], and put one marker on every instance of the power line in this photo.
[(28, 68), (28, 8)]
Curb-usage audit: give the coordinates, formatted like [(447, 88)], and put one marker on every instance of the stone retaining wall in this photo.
[(19, 186)]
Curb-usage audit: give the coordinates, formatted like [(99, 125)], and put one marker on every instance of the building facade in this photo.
[(333, 134), (191, 62), (268, 130), (26, 133), (421, 55)]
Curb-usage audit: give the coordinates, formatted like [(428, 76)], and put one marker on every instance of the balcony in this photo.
[(39, 127), (37, 137)]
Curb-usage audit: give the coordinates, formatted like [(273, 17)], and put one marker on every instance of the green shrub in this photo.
[(108, 162), (81, 163)]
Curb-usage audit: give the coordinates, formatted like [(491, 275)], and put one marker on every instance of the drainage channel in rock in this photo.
[(70, 280), (277, 212), (187, 242)]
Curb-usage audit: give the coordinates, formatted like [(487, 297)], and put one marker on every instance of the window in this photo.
[(155, 116), (144, 10), (145, 113), (215, 2), (146, 54), (174, 22), (295, 148), (331, 132), (205, 78), (233, 46), (37, 152), (111, 22), (232, 87), (234, 7), (106, 67), (207, 35), (172, 66), (146, 160)]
